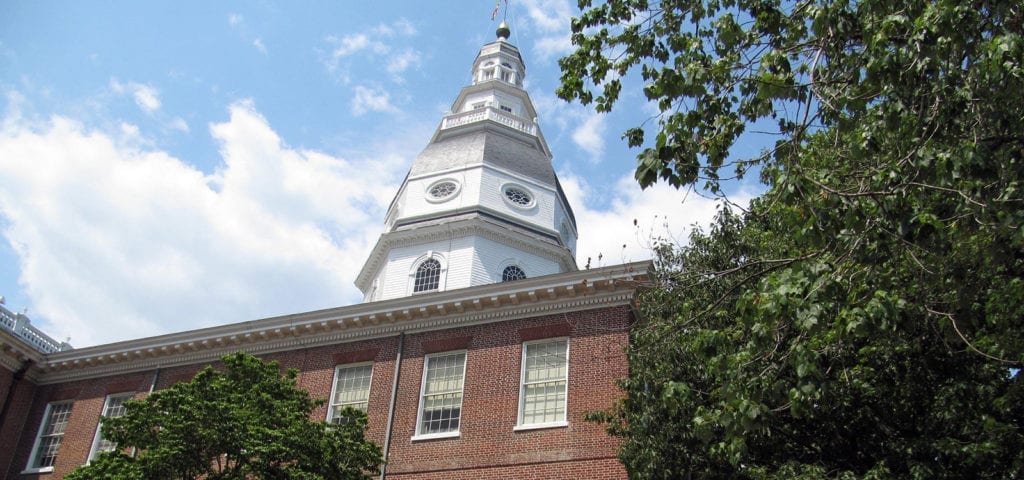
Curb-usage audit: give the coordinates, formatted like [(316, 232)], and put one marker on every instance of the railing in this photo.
[(19, 325), (489, 113)]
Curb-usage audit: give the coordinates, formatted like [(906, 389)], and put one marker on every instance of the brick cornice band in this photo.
[(356, 356), (122, 387), (446, 344), (545, 331)]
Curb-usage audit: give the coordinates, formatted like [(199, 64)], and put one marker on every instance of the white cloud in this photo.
[(549, 21), (146, 96), (589, 135), (401, 27), (118, 241), (367, 99), (350, 44), (15, 102), (605, 218), (401, 61), (379, 46), (554, 46), (587, 128), (129, 131), (179, 124), (237, 23), (549, 15)]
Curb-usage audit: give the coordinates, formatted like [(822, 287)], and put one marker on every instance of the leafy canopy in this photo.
[(245, 421), (864, 318)]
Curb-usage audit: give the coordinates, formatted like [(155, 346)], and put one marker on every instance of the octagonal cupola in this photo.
[(481, 203), (499, 61)]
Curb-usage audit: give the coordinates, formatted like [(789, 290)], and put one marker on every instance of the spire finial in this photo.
[(503, 31)]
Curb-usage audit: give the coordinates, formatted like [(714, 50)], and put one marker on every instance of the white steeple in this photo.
[(481, 204)]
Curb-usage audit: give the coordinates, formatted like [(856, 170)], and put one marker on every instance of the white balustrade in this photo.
[(19, 325), (489, 113)]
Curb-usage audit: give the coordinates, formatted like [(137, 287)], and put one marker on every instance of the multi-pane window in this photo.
[(51, 433), (545, 375), (351, 390), (442, 190), (512, 272), (112, 407), (428, 276), (518, 196), (441, 400)]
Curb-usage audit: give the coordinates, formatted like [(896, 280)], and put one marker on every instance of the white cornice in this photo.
[(534, 140), (513, 90), (482, 165), (552, 294), (14, 352), (515, 238)]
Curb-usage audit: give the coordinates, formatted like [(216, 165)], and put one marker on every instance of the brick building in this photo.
[(478, 350)]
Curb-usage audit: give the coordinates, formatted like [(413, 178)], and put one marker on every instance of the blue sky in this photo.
[(174, 165)]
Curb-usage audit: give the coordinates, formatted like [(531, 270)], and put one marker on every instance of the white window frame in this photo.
[(454, 193), (331, 405), (93, 451), (441, 281), (522, 388), (532, 197), (30, 468), (423, 387), (516, 266)]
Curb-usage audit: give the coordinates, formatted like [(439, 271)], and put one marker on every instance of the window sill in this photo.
[(37, 470), (434, 436), (540, 426)]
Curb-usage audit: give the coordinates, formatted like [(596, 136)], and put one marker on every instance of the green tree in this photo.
[(246, 421), (864, 318)]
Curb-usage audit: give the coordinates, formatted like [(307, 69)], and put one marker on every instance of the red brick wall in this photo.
[(598, 469), (487, 446), (14, 423), (88, 397), (491, 401)]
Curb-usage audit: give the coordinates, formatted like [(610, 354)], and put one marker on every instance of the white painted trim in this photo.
[(544, 295), (540, 426), (519, 239), (99, 422), (506, 186), (455, 193), (334, 385), (522, 387), (510, 262), (39, 436), (435, 436), (423, 388), (442, 279)]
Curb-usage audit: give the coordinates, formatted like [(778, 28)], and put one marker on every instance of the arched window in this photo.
[(428, 276), (512, 272)]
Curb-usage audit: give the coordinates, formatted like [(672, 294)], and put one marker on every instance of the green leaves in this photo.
[(246, 421), (860, 320)]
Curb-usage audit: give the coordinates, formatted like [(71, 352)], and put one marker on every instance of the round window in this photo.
[(442, 190), (518, 196)]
